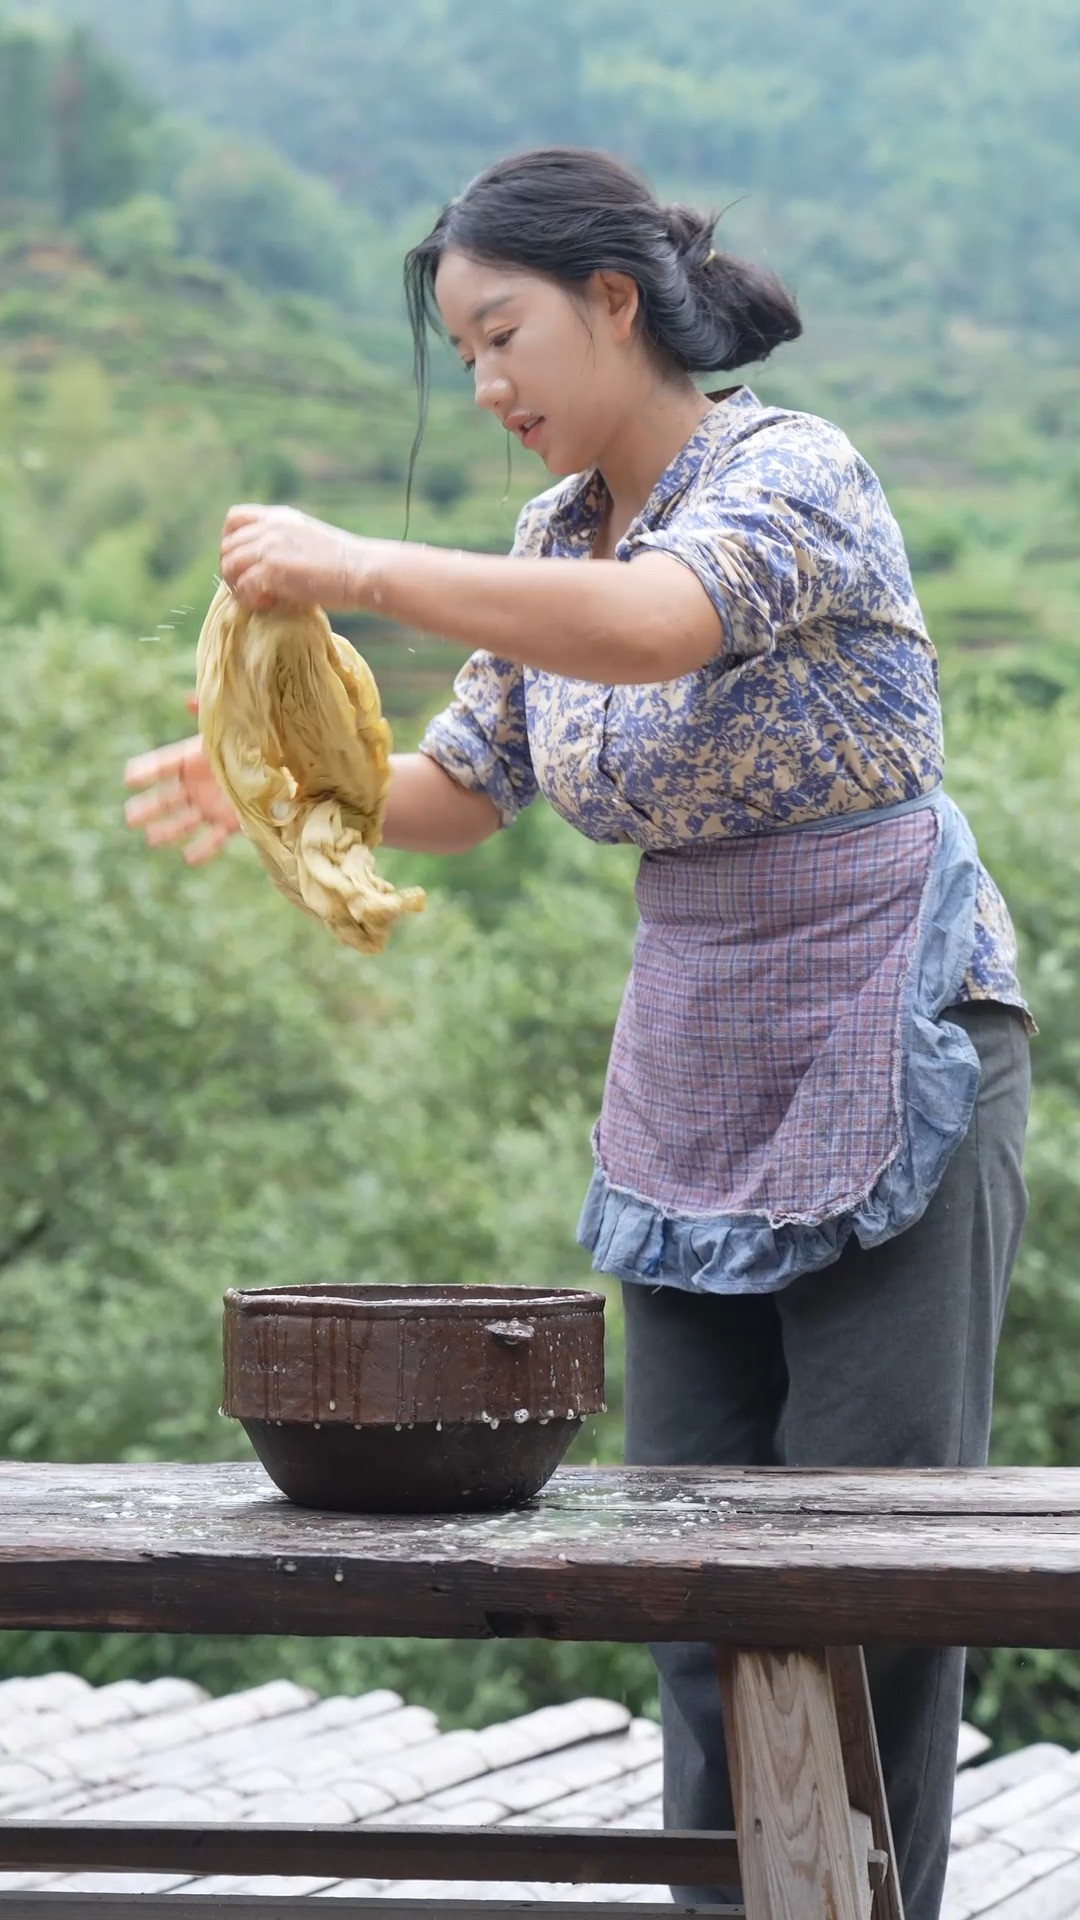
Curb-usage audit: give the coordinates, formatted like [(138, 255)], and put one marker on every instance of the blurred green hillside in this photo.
[(199, 302), (913, 157)]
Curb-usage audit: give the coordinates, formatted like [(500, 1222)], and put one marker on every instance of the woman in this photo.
[(808, 1155)]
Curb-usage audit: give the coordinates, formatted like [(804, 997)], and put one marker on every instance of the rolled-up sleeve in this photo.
[(482, 737), (773, 535)]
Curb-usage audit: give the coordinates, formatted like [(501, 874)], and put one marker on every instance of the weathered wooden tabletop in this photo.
[(743, 1556)]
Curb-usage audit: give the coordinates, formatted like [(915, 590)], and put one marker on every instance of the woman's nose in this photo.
[(491, 391)]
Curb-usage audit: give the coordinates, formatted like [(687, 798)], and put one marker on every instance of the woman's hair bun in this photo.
[(691, 233)]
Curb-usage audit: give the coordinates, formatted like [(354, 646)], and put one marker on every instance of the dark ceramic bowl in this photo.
[(412, 1399)]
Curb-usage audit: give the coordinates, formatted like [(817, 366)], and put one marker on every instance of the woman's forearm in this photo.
[(605, 621), (427, 812)]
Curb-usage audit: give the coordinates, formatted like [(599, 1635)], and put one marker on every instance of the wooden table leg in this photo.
[(802, 1855), (862, 1767)]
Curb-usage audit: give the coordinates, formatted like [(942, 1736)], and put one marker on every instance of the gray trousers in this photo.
[(884, 1359)]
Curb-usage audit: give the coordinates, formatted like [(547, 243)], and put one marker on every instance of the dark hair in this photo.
[(569, 212)]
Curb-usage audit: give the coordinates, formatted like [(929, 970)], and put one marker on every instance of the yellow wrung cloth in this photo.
[(290, 719)]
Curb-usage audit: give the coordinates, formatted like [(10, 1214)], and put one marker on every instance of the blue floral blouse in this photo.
[(821, 699)]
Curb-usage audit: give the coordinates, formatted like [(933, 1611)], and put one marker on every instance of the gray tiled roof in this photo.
[(165, 1750)]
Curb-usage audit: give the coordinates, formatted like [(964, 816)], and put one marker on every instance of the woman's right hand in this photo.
[(180, 796)]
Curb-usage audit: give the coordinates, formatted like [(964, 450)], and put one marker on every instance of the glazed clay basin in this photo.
[(412, 1399)]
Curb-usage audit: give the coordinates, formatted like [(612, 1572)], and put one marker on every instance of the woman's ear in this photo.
[(620, 298)]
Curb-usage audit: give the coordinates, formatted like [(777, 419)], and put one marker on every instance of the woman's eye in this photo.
[(497, 340)]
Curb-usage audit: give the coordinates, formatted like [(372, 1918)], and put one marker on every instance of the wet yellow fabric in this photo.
[(290, 718)]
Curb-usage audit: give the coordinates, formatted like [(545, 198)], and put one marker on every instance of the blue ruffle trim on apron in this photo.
[(939, 1068)]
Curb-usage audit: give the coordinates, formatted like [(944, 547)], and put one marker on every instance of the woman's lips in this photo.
[(529, 438)]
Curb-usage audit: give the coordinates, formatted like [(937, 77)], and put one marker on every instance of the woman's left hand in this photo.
[(279, 553)]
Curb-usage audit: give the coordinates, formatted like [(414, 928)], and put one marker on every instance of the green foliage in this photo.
[(444, 484), (246, 208), (1016, 769), (80, 146), (917, 159), (72, 128), (136, 237), (29, 170)]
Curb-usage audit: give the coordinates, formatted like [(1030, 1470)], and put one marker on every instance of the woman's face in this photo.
[(557, 374)]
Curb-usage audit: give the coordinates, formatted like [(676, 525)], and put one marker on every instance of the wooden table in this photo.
[(787, 1573)]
